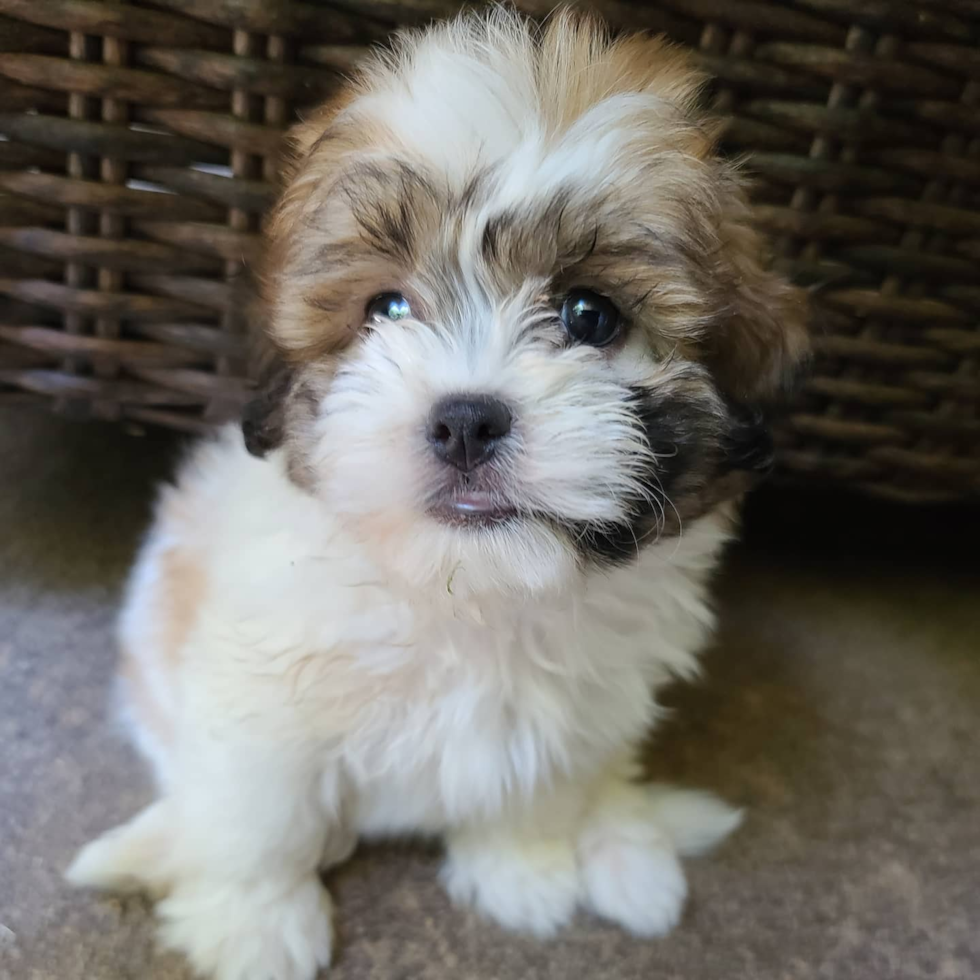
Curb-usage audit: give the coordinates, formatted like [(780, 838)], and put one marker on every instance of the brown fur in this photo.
[(151, 660), (364, 212), (345, 229), (180, 593)]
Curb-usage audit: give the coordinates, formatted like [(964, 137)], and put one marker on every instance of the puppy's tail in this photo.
[(131, 858), (694, 820)]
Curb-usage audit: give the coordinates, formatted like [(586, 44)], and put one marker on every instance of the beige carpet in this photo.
[(841, 707)]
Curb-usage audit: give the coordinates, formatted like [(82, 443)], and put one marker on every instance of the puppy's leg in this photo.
[(629, 844), (234, 849), (522, 870), (609, 844), (246, 902)]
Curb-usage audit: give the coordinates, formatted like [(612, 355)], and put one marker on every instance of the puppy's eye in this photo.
[(590, 318), (390, 306)]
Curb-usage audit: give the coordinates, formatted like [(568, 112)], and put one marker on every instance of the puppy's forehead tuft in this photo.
[(483, 91), (483, 86)]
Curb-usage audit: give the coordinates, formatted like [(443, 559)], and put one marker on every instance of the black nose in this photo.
[(465, 431)]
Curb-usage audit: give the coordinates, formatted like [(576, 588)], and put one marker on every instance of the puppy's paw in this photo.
[(528, 886), (628, 850), (632, 877), (250, 932)]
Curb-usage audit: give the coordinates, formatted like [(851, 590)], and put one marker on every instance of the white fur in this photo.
[(574, 450), (320, 701), (354, 668)]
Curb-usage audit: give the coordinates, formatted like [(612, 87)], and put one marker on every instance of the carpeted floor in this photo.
[(841, 706)]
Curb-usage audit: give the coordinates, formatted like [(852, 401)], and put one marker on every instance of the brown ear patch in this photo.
[(760, 342), (264, 417), (748, 443), (283, 414)]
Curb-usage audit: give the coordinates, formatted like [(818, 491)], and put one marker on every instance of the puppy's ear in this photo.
[(293, 229), (759, 344), (264, 417), (748, 445), (309, 148)]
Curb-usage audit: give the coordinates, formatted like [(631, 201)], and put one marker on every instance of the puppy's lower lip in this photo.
[(474, 503), (472, 508)]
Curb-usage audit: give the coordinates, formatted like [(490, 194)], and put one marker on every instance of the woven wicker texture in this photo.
[(139, 153)]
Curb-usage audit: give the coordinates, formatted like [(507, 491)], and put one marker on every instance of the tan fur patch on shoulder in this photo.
[(153, 647), (181, 586)]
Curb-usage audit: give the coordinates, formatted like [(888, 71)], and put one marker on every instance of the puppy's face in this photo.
[(525, 326)]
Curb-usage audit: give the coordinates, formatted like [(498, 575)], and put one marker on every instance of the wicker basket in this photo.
[(139, 153)]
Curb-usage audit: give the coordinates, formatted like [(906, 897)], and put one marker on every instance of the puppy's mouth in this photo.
[(471, 508)]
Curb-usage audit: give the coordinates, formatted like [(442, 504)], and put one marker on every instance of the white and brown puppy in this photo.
[(528, 348)]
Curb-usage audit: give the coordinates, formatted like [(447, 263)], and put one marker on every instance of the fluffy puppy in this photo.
[(525, 349)]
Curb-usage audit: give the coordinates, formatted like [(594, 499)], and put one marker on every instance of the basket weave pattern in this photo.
[(139, 152)]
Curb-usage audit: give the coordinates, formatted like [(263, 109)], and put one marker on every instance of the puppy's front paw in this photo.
[(250, 932), (529, 886), (633, 877)]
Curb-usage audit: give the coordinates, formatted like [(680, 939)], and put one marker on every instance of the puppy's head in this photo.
[(524, 324)]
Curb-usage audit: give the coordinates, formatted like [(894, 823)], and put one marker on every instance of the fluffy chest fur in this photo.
[(433, 705), (477, 712)]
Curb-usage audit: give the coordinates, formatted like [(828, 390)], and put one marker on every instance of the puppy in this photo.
[(525, 353)]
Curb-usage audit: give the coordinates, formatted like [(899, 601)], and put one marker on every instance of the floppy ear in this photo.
[(264, 417), (748, 445), (759, 344), (307, 220), (305, 142)]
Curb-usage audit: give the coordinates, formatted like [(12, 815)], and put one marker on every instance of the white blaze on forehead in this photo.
[(605, 145), (459, 108)]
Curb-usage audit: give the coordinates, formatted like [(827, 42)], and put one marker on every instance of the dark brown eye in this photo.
[(389, 306), (590, 318)]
